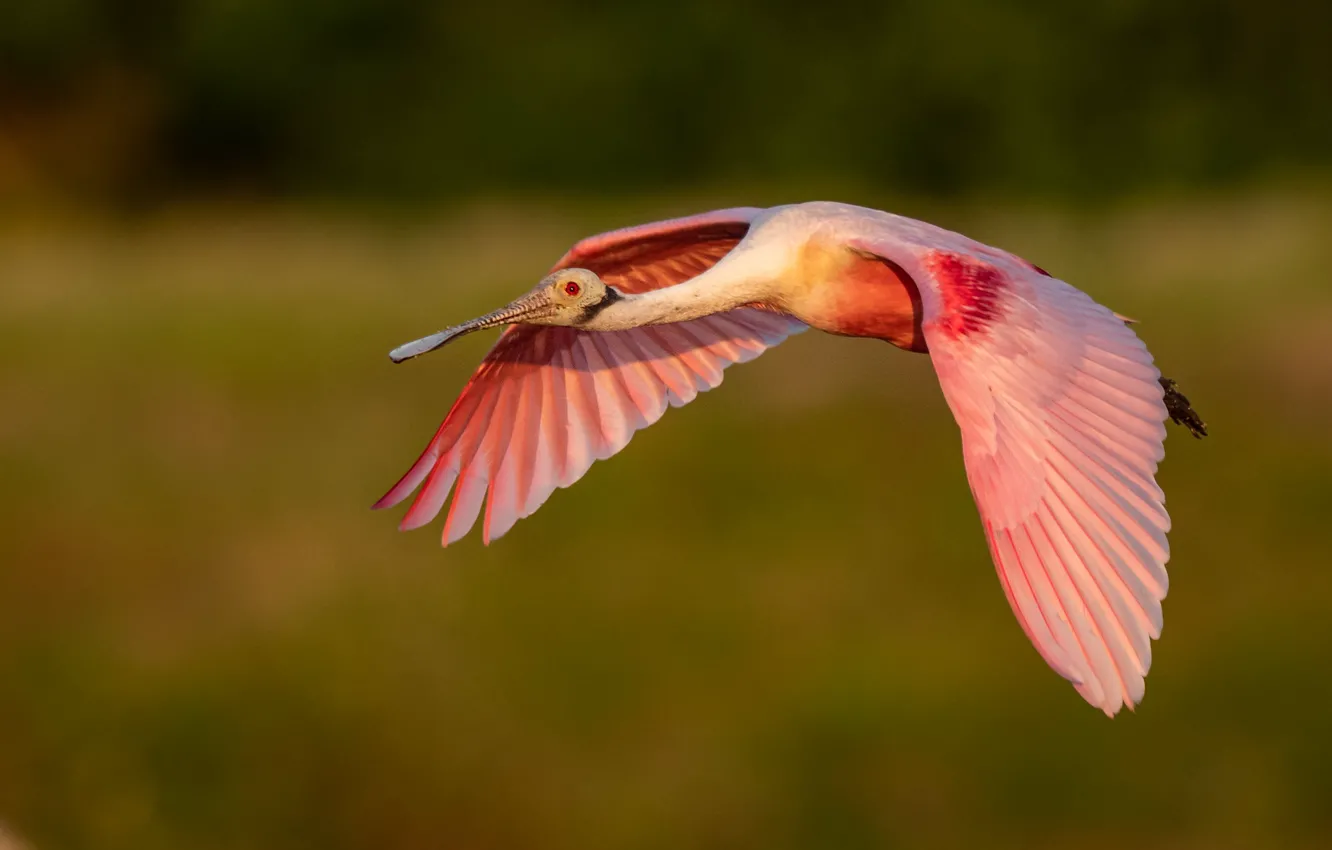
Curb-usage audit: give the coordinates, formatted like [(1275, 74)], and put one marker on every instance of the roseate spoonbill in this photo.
[(1060, 408)]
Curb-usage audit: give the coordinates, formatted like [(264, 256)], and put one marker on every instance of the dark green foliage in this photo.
[(409, 98)]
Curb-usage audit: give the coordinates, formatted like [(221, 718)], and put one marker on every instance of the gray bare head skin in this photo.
[(567, 298)]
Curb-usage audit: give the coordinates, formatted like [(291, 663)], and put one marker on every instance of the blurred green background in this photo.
[(772, 621)]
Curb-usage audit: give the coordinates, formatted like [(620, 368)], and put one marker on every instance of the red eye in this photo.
[(572, 289)]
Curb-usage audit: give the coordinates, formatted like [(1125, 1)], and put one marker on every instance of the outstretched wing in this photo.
[(547, 402), (1061, 415)]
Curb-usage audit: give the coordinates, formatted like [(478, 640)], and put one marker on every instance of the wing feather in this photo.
[(548, 402), (680, 382), (1061, 417)]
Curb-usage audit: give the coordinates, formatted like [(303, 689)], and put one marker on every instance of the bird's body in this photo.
[(1060, 407)]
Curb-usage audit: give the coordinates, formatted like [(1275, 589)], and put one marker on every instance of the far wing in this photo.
[(548, 402), (1061, 415)]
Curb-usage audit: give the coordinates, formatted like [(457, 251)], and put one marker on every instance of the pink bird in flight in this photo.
[(1060, 407)]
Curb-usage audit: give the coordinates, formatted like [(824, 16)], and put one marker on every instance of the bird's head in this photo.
[(568, 297)]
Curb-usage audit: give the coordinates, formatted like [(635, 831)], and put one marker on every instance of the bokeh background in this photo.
[(772, 621)]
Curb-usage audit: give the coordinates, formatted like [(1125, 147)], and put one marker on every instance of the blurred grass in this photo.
[(770, 622)]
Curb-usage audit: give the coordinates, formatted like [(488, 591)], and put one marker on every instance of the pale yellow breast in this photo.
[(838, 290)]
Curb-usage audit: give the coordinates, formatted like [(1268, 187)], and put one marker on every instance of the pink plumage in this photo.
[(1058, 402), (548, 401)]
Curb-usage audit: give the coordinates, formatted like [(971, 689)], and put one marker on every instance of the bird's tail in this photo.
[(1181, 412)]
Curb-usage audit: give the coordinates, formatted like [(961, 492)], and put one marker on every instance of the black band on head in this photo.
[(591, 310)]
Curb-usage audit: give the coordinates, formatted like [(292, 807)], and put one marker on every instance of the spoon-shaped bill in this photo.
[(535, 304), (420, 346)]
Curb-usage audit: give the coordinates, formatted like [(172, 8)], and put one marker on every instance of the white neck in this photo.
[(744, 276)]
